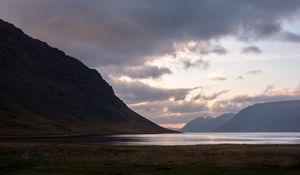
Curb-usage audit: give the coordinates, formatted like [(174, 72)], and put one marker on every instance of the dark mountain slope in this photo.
[(44, 91), (266, 117), (207, 124)]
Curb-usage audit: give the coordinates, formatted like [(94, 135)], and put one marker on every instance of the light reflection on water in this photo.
[(206, 138)]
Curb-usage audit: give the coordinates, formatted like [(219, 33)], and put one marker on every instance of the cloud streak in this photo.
[(251, 49), (218, 78), (255, 72), (135, 72), (210, 97)]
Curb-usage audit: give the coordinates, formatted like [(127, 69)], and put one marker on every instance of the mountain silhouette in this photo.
[(266, 117), (43, 91), (206, 124)]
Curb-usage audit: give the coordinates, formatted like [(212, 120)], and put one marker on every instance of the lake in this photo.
[(212, 138), (205, 138)]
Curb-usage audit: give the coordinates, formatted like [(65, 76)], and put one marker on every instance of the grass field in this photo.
[(92, 159)]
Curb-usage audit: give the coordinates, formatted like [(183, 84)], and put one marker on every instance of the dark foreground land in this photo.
[(93, 159)]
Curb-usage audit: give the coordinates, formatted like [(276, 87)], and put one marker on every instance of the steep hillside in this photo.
[(43, 91)]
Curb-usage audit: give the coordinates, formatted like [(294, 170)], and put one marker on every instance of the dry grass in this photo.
[(93, 159), (214, 155)]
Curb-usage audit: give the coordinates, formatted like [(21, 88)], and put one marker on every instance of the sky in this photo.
[(174, 60)]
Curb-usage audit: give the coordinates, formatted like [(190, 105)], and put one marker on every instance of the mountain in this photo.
[(207, 124), (45, 92), (266, 117)]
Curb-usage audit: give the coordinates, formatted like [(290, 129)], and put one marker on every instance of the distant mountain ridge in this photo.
[(281, 116), (207, 124), (43, 91)]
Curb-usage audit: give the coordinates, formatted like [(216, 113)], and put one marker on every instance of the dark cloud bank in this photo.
[(118, 32)]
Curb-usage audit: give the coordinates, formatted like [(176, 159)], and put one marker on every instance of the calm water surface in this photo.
[(205, 138)]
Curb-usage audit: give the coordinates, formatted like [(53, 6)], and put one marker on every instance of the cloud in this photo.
[(190, 54), (288, 36), (240, 77), (270, 94), (225, 106), (255, 72), (268, 89), (136, 91), (171, 111), (251, 49), (186, 107), (247, 99), (135, 72), (147, 72), (218, 49), (115, 32), (198, 63), (201, 48), (210, 97), (218, 78)]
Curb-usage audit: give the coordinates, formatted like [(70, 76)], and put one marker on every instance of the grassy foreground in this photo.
[(92, 159)]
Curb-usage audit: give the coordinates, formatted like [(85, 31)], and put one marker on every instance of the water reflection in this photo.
[(206, 138)]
